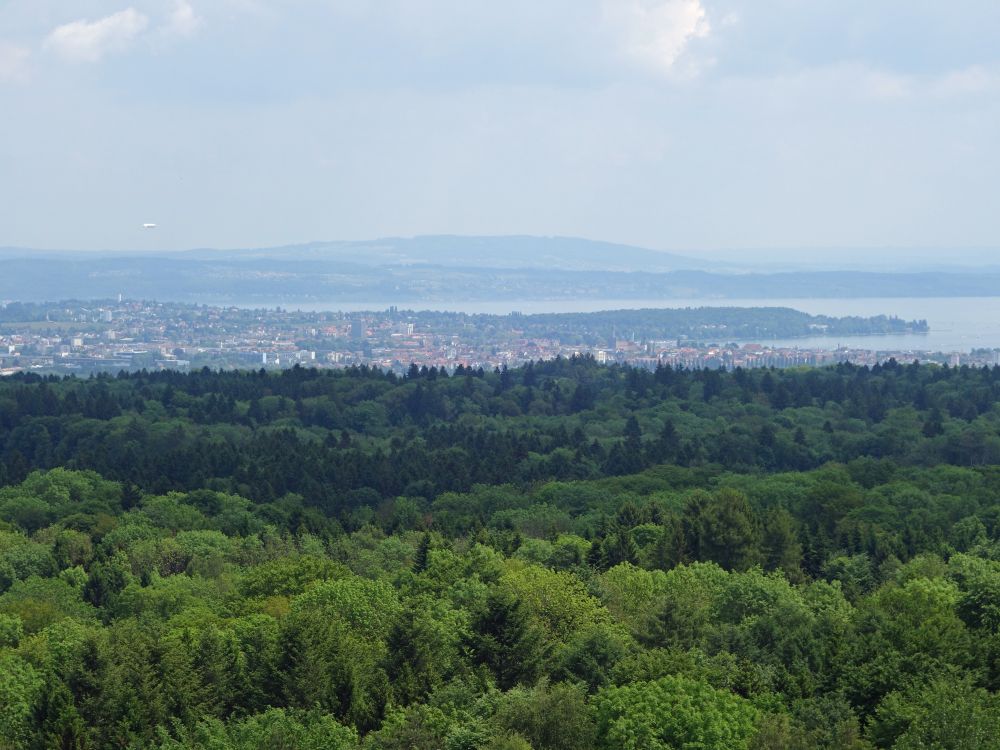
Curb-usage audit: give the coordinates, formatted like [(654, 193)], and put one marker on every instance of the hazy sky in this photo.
[(675, 124)]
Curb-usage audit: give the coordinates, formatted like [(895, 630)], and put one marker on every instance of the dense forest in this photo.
[(562, 556), (714, 324)]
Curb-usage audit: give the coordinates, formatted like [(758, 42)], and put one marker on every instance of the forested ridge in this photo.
[(561, 556)]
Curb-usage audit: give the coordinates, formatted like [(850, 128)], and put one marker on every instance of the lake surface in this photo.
[(958, 324)]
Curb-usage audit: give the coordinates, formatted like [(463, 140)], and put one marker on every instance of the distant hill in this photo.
[(425, 270), (516, 251), (572, 254)]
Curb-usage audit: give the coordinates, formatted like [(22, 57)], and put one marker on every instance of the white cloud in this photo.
[(971, 81), (13, 61), (882, 84), (656, 33), (89, 41), (731, 18), (183, 21)]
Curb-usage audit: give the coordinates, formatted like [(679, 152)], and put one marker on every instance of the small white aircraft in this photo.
[(149, 226)]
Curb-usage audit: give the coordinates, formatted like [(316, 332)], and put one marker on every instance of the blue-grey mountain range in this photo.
[(449, 268)]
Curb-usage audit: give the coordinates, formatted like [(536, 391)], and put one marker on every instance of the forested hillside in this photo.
[(561, 556)]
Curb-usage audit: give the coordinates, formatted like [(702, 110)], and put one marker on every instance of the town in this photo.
[(110, 336)]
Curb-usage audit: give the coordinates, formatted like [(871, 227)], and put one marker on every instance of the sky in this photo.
[(699, 126)]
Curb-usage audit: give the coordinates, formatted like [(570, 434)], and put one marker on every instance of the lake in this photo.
[(958, 324)]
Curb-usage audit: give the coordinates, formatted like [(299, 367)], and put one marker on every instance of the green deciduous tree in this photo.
[(673, 713), (944, 714), (20, 689)]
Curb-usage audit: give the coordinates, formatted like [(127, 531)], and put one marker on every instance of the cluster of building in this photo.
[(85, 338)]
